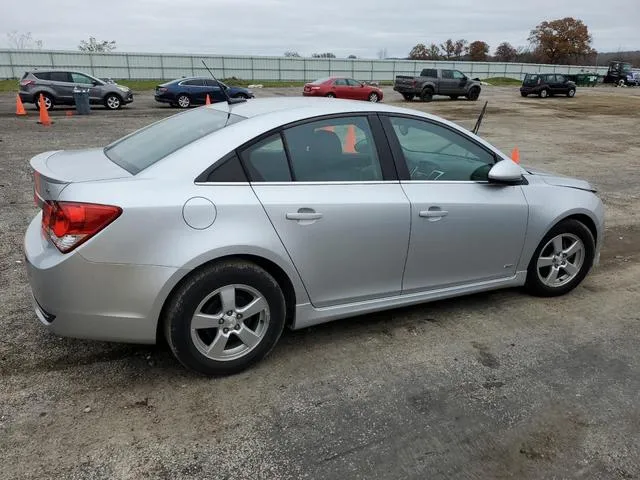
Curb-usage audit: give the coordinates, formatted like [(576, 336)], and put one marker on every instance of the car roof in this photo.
[(306, 107)]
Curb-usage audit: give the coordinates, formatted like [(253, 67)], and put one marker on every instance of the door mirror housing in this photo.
[(505, 171)]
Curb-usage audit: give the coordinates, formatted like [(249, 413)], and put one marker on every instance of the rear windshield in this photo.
[(321, 80), (145, 147)]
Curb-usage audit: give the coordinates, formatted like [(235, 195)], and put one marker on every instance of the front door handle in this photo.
[(433, 213), (303, 216)]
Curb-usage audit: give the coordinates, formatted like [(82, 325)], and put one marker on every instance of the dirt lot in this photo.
[(498, 385)]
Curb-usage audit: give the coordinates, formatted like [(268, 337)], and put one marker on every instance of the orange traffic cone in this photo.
[(19, 106), (350, 140), (208, 100), (515, 155), (44, 115)]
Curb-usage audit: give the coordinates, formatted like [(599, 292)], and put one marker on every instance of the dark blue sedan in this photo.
[(185, 92)]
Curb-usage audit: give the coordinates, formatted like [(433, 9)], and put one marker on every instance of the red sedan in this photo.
[(340, 87)]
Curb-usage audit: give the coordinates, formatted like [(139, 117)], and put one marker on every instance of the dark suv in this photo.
[(56, 87), (546, 84)]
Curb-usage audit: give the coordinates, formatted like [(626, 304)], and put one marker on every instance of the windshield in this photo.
[(145, 147)]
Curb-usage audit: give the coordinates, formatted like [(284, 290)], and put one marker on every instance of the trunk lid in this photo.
[(54, 170)]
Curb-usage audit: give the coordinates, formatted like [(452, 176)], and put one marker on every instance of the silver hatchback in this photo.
[(57, 86), (220, 226)]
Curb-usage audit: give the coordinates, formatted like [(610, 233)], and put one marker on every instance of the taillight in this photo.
[(161, 89), (69, 224), (25, 83)]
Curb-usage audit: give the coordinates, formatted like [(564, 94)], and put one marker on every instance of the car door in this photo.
[(464, 230), (357, 90), (560, 84), (338, 209), (195, 88), (214, 90), (63, 86), (447, 85), (83, 81), (459, 86), (340, 88)]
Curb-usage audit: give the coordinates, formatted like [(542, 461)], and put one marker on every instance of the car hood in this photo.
[(561, 180)]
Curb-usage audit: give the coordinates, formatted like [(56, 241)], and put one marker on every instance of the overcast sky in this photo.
[(344, 27)]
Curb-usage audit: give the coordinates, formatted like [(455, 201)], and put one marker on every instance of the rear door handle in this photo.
[(303, 216)]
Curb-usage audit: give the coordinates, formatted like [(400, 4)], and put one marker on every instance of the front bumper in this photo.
[(74, 297)]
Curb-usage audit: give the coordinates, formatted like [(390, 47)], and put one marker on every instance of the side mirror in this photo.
[(95, 83), (505, 171)]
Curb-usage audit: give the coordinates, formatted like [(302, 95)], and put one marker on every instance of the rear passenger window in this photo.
[(431, 72), (339, 149), (42, 75), (60, 77), (266, 161)]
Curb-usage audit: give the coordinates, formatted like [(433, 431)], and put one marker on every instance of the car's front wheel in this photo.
[(113, 101), (571, 93), (562, 260), (224, 318), (474, 94)]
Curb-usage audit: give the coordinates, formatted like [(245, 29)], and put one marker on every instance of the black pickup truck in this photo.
[(435, 81)]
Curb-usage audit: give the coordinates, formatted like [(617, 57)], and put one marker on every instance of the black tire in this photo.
[(185, 300), (534, 284), (426, 95), (571, 93), (524, 94), (473, 94), (408, 96), (544, 93), (183, 100), (453, 97), (48, 101), (373, 97), (113, 101), (242, 95), (330, 95)]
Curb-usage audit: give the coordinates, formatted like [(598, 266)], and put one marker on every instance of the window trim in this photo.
[(398, 156), (385, 156)]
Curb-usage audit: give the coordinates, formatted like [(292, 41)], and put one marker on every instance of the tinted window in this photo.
[(458, 75), (42, 75), (193, 83), (429, 72), (560, 79), (531, 79), (339, 149), (341, 82), (209, 82), (447, 73), (79, 78), (434, 152), (145, 147), (229, 170), (60, 77), (266, 161), (353, 83)]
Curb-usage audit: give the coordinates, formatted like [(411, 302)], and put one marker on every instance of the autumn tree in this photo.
[(433, 52), (559, 41), (448, 48), (478, 51), (419, 52), (323, 55), (94, 45), (460, 48), (505, 52)]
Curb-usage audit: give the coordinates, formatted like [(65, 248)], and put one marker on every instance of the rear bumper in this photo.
[(26, 97), (74, 297), (405, 89)]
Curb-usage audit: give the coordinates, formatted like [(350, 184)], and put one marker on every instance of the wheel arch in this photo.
[(277, 271)]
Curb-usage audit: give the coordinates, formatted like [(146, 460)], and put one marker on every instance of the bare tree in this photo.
[(323, 55), (382, 53), (94, 45), (22, 41), (352, 57), (291, 53)]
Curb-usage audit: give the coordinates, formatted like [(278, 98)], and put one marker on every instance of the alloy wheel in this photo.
[(560, 260), (230, 322), (113, 102), (373, 97)]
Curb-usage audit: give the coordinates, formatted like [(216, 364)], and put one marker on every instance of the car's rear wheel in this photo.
[(474, 94), (571, 93), (408, 96), (426, 95), (113, 101), (544, 93), (48, 101), (330, 95), (373, 97), (562, 260), (224, 318), (184, 101)]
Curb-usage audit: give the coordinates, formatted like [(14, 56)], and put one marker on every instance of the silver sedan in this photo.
[(220, 226)]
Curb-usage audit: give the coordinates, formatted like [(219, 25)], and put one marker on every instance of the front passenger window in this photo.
[(434, 152)]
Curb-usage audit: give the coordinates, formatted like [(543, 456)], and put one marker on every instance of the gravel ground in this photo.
[(498, 385)]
